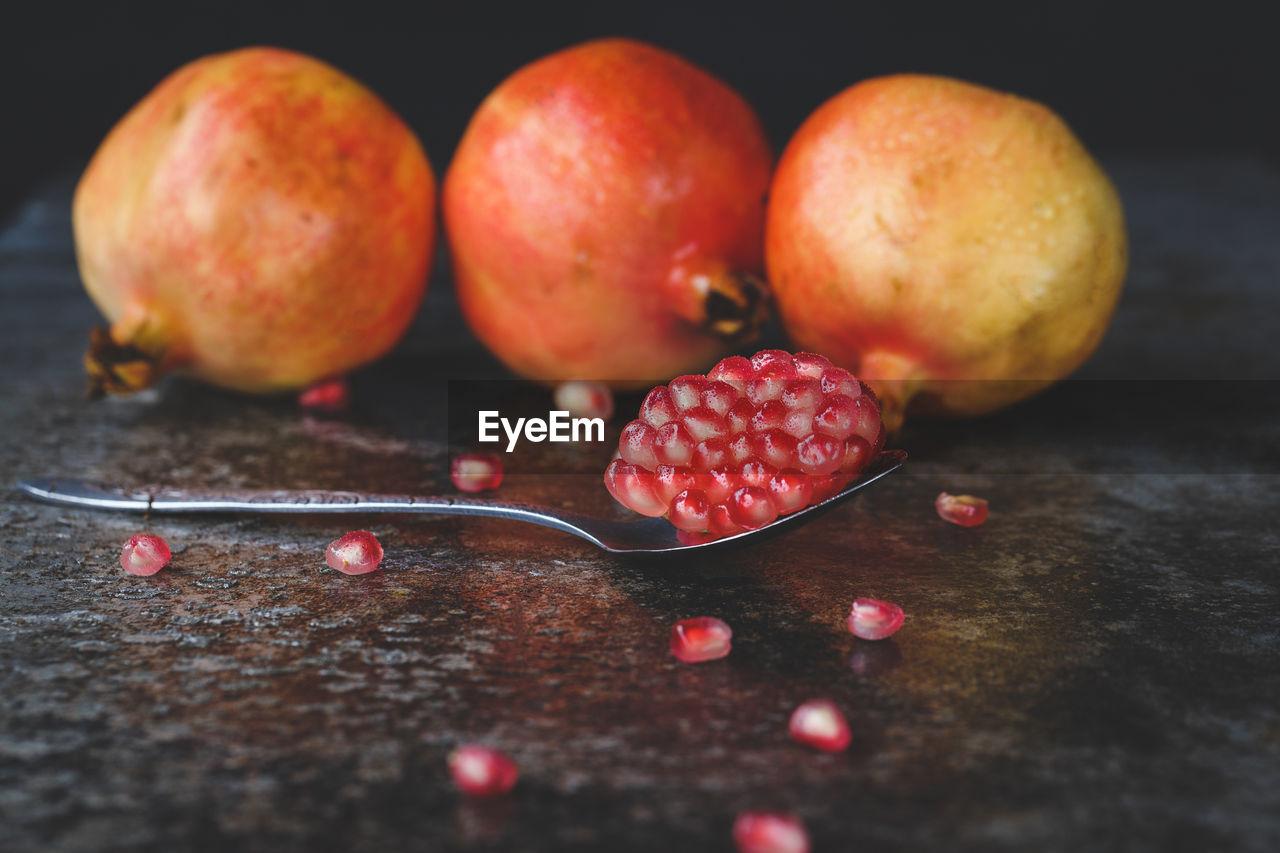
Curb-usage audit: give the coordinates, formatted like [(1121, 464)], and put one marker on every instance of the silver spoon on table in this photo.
[(647, 535)]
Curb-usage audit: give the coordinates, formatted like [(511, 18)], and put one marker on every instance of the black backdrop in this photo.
[(1129, 78)]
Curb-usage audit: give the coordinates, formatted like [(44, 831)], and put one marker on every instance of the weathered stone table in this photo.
[(1097, 667)]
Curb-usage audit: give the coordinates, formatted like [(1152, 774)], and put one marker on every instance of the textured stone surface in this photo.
[(1097, 667)]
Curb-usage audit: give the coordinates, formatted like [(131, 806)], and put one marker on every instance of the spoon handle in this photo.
[(169, 500)]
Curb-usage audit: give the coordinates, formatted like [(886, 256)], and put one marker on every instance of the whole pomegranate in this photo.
[(259, 221), (954, 245), (605, 213)]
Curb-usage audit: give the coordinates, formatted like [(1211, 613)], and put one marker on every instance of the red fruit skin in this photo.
[(260, 220), (596, 199)]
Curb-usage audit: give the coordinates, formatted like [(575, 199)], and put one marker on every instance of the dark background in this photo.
[(1128, 78)]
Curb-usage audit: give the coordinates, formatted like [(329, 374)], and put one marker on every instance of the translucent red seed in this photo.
[(964, 510), (357, 553), (701, 639), (770, 832), (480, 771), (328, 395), (819, 723), (475, 472), (144, 554), (585, 399), (735, 429), (873, 619)]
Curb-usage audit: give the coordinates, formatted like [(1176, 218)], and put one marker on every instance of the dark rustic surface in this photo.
[(1098, 667)]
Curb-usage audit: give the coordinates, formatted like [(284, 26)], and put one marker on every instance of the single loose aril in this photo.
[(585, 399), (964, 510), (144, 554), (476, 472), (769, 832), (819, 723), (873, 619), (752, 440), (357, 553), (701, 639), (480, 771), (329, 395)]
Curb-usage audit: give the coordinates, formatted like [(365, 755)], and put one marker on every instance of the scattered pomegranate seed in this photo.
[(820, 724), (584, 399), (751, 440), (770, 832), (476, 472), (329, 395), (480, 771), (701, 639), (873, 619), (357, 553), (964, 510), (144, 554)]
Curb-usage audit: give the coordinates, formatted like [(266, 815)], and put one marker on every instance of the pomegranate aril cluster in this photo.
[(752, 440)]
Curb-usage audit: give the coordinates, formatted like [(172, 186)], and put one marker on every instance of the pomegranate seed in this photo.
[(144, 554), (700, 639), (689, 511), (686, 391), (964, 510), (770, 832), (632, 486), (751, 507), (475, 472), (328, 395), (790, 491), (726, 435), (820, 724), (635, 445), (734, 370), (357, 553), (873, 619), (811, 366), (480, 771), (657, 410), (584, 399)]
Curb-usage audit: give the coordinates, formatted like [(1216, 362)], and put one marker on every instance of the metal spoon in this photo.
[(648, 535)]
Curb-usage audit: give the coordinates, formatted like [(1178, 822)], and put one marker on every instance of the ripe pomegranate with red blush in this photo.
[(259, 221), (605, 215)]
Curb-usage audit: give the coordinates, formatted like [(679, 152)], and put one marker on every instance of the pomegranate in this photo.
[(259, 221), (605, 212), (753, 439), (923, 230)]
